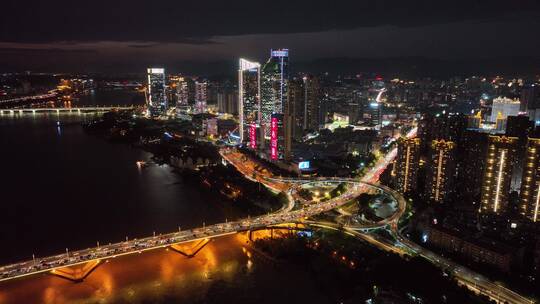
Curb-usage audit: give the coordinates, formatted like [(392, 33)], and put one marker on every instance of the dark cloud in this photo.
[(210, 35), (195, 22)]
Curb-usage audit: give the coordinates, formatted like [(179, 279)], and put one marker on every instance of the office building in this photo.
[(156, 97), (407, 164), (296, 107), (274, 87), (249, 102), (505, 106), (280, 137), (313, 116), (499, 165)]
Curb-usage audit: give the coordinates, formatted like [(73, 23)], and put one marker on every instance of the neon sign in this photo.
[(253, 136), (274, 138)]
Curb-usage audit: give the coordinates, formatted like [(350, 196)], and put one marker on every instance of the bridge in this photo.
[(94, 256), (50, 94), (77, 265), (77, 110)]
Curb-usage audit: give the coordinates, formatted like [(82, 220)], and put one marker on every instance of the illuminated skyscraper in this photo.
[(274, 86), (280, 137), (500, 161), (530, 184), (441, 169), (180, 90), (249, 103), (407, 164), (201, 96), (156, 97)]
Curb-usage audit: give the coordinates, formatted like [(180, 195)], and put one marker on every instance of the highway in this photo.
[(355, 187), (284, 215), (139, 245)]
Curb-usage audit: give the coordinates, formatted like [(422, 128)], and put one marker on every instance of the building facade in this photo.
[(156, 97), (500, 160), (180, 90), (201, 96), (274, 87), (441, 170), (312, 104), (280, 137), (505, 106), (249, 101), (530, 184), (407, 164)]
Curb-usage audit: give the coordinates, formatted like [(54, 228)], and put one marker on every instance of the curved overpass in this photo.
[(285, 215)]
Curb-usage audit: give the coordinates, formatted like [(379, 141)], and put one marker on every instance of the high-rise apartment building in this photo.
[(156, 97), (249, 101), (500, 160), (180, 92), (441, 170), (201, 96), (471, 158), (530, 184), (407, 164), (228, 102)]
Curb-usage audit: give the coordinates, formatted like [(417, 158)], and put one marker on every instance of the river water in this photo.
[(62, 188)]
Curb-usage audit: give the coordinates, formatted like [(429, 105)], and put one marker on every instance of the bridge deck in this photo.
[(150, 243)]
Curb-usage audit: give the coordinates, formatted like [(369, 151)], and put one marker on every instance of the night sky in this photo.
[(208, 36)]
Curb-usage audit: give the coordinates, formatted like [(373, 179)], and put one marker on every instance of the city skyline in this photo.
[(270, 152)]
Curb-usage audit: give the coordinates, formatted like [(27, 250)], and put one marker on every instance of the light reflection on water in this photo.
[(139, 277)]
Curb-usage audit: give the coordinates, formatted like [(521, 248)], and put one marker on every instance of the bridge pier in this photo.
[(76, 273), (290, 228), (190, 249)]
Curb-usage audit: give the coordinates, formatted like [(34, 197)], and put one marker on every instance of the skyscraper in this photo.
[(312, 103), (471, 158), (407, 164), (274, 86), (181, 91), (441, 169), (201, 96), (530, 184), (295, 107), (280, 146), (156, 97), (249, 102), (500, 160)]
